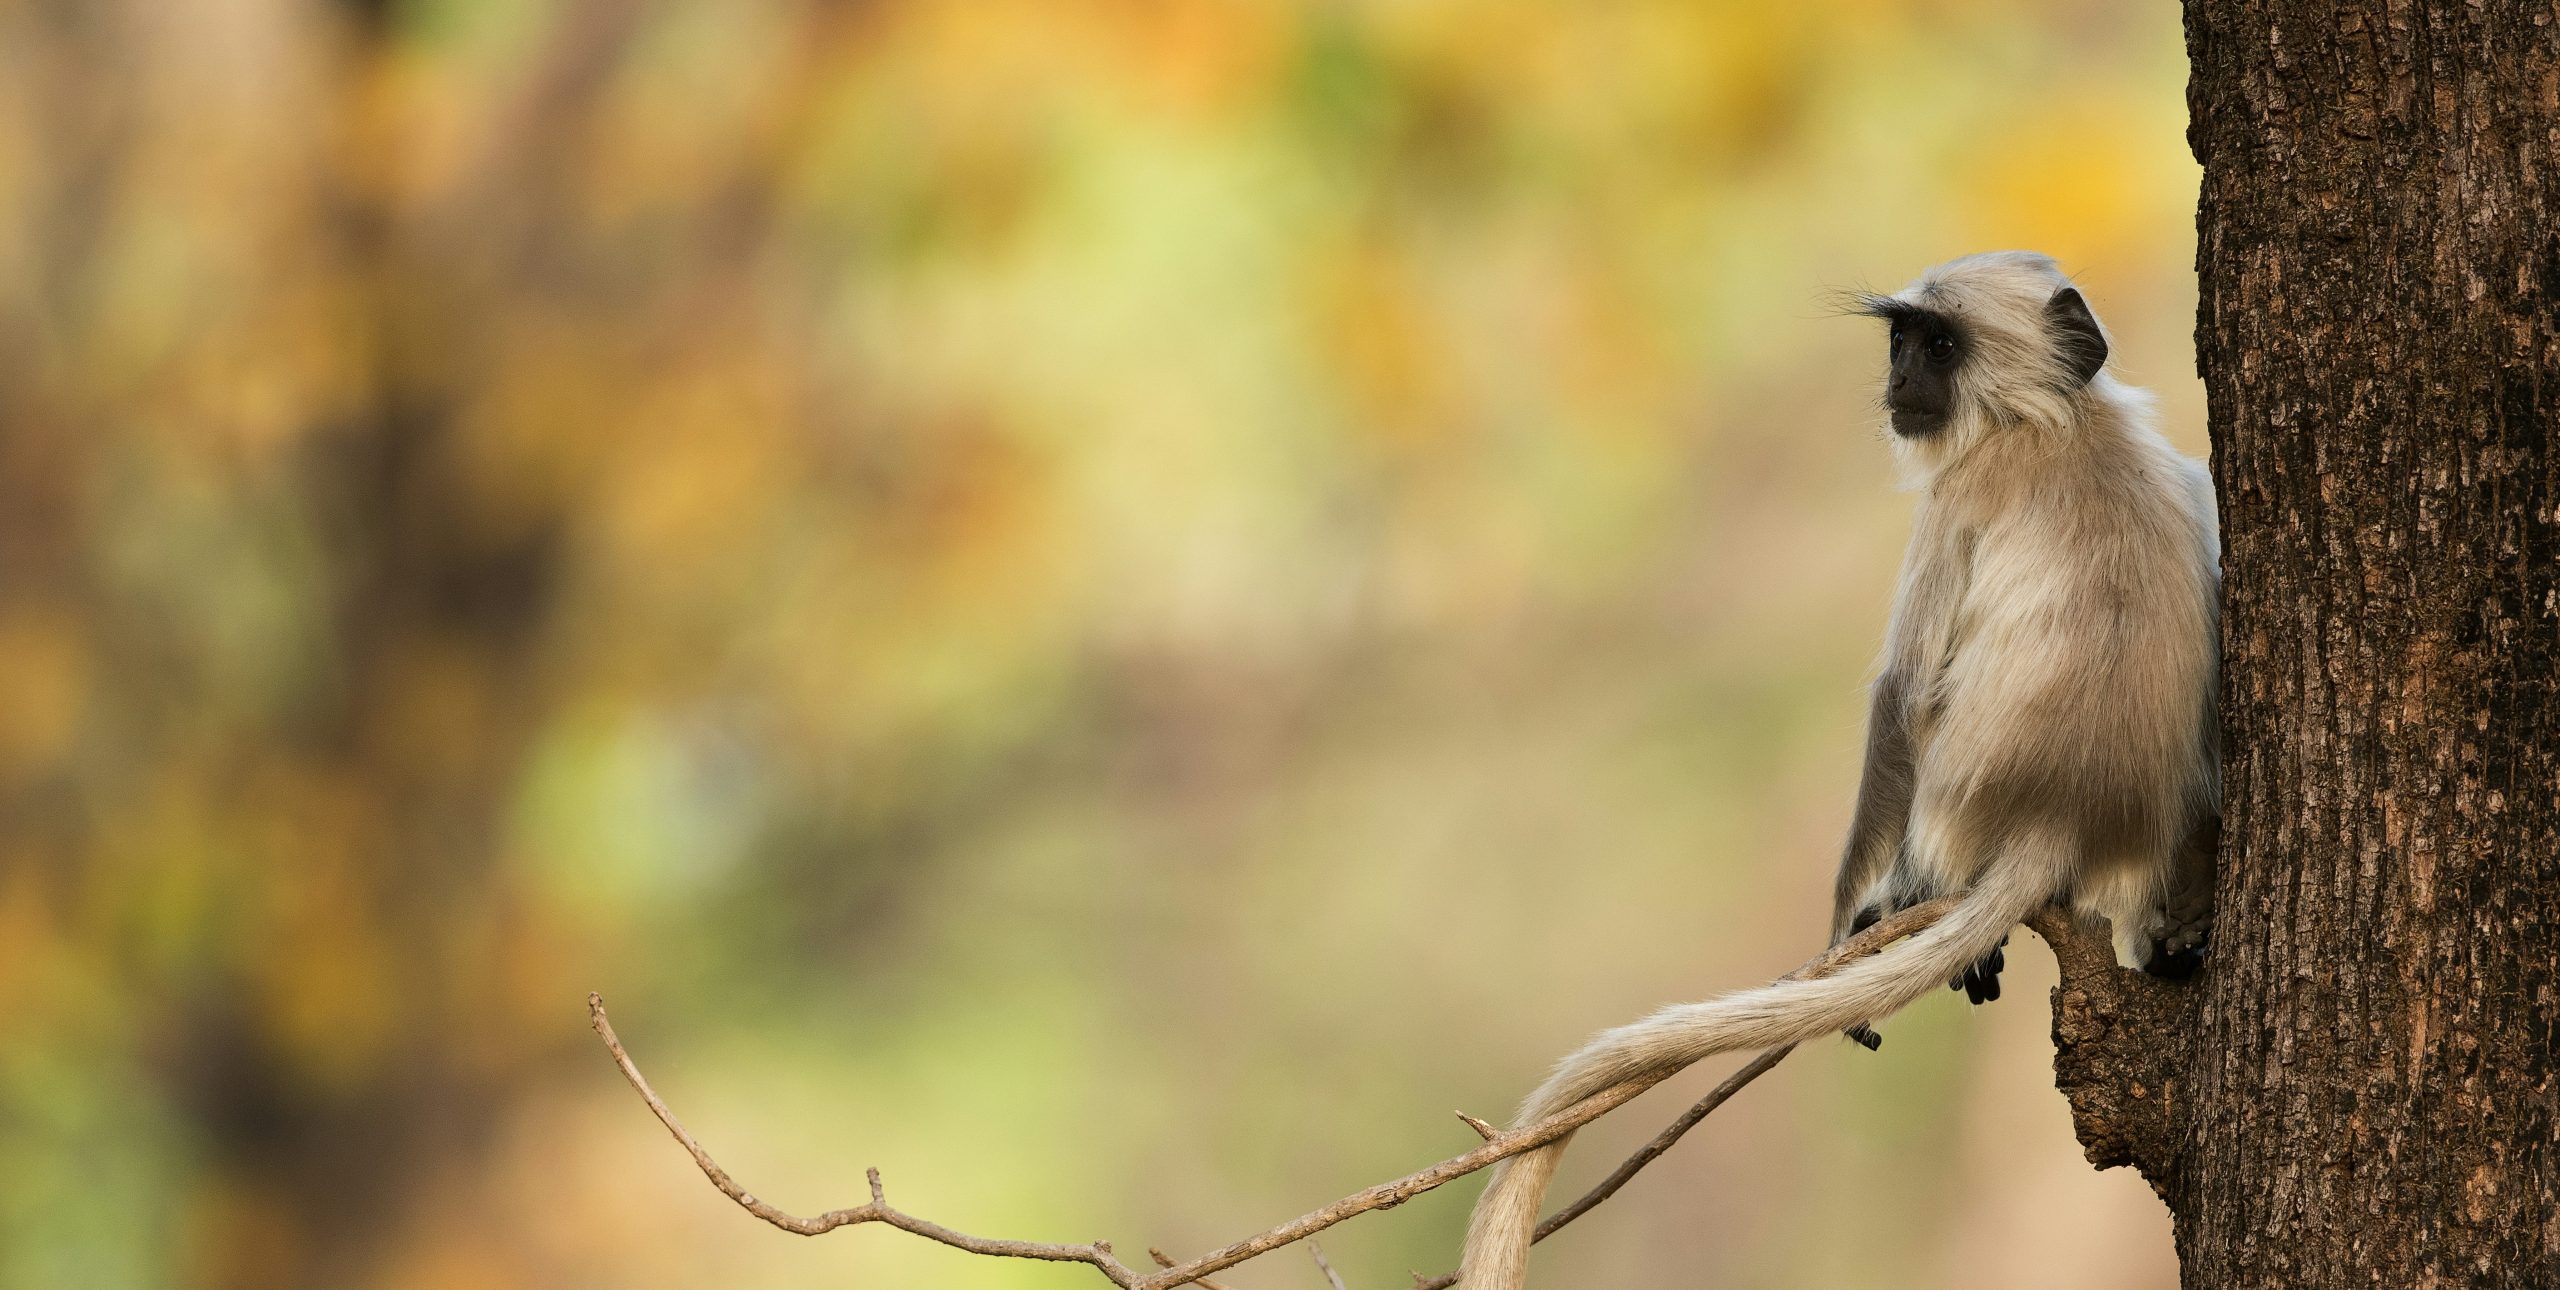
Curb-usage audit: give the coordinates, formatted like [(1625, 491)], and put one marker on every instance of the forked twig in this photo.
[(1644, 1155), (1499, 1145), (1699, 1110)]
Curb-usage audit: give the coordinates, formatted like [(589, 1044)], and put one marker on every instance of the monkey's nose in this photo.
[(1898, 379)]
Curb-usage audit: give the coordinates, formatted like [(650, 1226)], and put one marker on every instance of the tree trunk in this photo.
[(2362, 1090)]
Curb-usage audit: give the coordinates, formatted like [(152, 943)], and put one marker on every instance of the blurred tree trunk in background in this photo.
[(435, 618), (340, 1033), (2372, 1095)]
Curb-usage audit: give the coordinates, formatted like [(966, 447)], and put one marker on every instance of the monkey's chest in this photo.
[(2005, 638)]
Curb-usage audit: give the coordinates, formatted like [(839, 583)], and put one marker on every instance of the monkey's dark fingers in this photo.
[(1865, 1036)]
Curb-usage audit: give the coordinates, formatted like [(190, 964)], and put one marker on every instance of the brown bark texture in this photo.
[(2362, 1088)]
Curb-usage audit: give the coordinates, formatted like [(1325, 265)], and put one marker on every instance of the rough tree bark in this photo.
[(2363, 1090)]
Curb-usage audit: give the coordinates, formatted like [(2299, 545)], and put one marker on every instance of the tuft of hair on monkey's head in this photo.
[(1977, 344)]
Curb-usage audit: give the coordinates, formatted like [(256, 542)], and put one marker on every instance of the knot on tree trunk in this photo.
[(2120, 1042)]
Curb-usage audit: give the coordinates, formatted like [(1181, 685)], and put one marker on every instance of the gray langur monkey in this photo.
[(2042, 728)]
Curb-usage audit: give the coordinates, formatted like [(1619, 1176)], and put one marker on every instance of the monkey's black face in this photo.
[(1926, 349)]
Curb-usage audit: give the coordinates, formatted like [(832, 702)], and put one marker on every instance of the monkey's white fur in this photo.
[(2052, 650)]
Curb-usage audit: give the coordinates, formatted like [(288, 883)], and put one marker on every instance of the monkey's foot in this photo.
[(2186, 923), (1981, 982), (2179, 951), (2173, 965), (1864, 1036), (2190, 921)]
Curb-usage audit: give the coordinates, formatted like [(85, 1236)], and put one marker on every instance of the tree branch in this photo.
[(1671, 1133), (1644, 1155), (2119, 1052), (1499, 1146), (1164, 1260)]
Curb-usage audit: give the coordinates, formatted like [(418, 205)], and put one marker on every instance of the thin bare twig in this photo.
[(1387, 1195), (1098, 1254), (1331, 1277)]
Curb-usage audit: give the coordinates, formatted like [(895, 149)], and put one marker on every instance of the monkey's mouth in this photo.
[(1912, 423)]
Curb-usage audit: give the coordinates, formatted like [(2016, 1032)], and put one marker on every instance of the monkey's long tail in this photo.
[(1506, 1215)]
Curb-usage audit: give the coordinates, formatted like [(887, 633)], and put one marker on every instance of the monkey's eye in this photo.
[(1893, 339), (1941, 348)]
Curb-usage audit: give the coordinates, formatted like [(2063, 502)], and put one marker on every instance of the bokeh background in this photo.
[(1108, 606)]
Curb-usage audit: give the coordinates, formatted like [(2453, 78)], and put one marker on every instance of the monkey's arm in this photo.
[(1884, 803)]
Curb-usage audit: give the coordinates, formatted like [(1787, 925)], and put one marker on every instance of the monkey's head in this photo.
[(1989, 341)]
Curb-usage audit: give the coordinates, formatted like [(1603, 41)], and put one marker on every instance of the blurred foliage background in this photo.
[(1109, 605)]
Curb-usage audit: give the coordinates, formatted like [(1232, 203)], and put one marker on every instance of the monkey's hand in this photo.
[(1862, 1034)]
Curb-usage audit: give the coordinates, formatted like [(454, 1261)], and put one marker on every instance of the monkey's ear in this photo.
[(2075, 335)]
